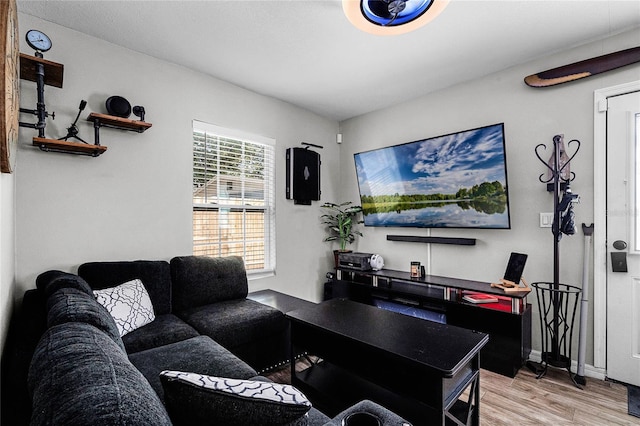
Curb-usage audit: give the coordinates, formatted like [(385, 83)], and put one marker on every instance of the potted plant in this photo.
[(340, 219)]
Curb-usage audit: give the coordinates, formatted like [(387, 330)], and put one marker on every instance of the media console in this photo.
[(508, 321)]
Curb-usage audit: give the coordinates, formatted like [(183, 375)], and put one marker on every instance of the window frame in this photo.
[(269, 235)]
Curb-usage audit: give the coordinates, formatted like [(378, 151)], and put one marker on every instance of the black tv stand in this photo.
[(508, 322)]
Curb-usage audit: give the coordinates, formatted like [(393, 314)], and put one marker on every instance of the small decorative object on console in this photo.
[(377, 262), (515, 267), (513, 275), (510, 286), (416, 270)]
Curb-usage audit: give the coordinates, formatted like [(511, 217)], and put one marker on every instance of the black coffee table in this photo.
[(417, 368)]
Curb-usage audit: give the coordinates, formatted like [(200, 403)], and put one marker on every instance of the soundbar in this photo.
[(434, 240)]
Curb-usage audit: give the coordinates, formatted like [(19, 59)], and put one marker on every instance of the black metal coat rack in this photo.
[(557, 302)]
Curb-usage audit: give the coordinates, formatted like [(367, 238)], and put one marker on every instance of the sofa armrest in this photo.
[(386, 417)]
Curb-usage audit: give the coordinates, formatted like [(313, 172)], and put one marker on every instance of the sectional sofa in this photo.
[(160, 343)]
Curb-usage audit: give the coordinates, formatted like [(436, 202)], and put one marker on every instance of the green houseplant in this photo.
[(340, 219)]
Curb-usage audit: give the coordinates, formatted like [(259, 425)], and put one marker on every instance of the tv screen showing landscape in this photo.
[(457, 180)]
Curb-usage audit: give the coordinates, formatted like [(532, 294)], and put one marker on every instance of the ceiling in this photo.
[(305, 52)]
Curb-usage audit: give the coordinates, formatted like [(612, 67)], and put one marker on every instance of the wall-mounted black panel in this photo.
[(433, 240), (303, 175)]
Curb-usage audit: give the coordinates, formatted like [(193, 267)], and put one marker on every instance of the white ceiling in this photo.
[(305, 52)]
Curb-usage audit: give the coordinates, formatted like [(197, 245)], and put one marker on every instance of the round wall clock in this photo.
[(38, 40), (9, 84)]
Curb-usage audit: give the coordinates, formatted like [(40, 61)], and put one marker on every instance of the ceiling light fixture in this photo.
[(391, 17)]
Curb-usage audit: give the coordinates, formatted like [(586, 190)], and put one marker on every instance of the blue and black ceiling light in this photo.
[(391, 17)]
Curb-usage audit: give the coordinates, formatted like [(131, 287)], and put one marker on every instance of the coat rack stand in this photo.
[(557, 303)]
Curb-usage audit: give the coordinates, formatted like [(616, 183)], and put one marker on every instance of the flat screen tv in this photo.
[(457, 180)]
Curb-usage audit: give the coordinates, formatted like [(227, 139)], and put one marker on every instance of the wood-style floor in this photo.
[(525, 400), (551, 400)]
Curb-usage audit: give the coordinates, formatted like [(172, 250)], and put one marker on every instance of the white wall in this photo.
[(7, 253), (531, 116), (134, 201)]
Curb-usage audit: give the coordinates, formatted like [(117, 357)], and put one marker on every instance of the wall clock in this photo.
[(9, 84), (38, 40)]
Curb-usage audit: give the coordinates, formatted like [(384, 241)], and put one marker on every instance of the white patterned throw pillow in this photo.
[(129, 305), (207, 400)]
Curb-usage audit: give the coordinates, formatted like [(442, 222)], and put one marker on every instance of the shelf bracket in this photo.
[(96, 132)]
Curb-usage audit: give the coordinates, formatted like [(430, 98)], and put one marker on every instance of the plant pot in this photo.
[(336, 254)]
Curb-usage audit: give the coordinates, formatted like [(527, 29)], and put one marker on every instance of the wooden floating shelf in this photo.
[(53, 71), (55, 145), (104, 120), (435, 240)]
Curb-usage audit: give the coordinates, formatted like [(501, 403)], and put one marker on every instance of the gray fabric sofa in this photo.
[(84, 373), (195, 296)]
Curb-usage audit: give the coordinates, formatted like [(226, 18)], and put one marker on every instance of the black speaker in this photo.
[(118, 106), (303, 175)]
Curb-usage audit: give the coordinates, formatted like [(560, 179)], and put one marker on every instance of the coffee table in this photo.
[(426, 372)]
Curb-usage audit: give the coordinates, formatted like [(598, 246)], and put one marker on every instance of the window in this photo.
[(233, 199)]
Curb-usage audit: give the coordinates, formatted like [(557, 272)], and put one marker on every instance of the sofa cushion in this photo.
[(79, 376), (198, 354), (153, 273), (208, 400), (161, 331), (129, 305), (235, 322), (51, 281), (199, 281), (73, 305)]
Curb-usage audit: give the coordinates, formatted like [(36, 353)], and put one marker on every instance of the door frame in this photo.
[(600, 217)]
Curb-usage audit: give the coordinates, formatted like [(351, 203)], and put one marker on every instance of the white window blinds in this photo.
[(233, 196)]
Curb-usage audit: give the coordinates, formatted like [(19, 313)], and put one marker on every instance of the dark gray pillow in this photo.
[(199, 280), (196, 399), (72, 305)]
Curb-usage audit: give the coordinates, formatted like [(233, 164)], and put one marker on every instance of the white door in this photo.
[(623, 238)]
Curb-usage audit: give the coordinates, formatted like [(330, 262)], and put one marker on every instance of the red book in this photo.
[(480, 298)]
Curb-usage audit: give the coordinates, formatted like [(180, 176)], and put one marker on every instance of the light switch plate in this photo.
[(546, 220)]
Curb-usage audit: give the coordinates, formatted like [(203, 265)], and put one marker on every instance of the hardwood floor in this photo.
[(525, 400), (551, 400)]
